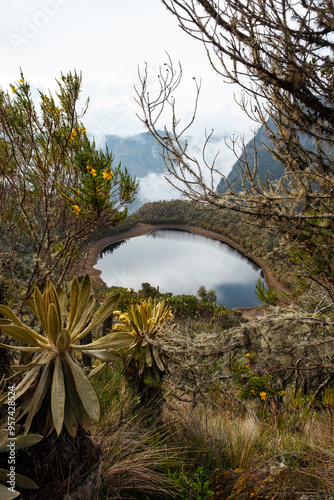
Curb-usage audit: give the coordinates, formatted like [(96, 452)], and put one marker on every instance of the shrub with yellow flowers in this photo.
[(251, 384), (57, 189), (98, 189)]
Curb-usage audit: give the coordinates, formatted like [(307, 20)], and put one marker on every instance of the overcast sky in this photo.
[(107, 40)]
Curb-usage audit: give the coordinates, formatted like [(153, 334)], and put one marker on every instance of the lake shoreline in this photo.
[(90, 254)]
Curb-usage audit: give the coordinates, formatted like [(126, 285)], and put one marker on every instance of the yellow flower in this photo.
[(282, 393), (248, 355), (263, 395), (76, 209), (13, 89), (22, 80), (73, 134), (83, 130), (93, 172), (77, 191), (107, 174)]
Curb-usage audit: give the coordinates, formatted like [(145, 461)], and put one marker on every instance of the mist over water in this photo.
[(180, 262)]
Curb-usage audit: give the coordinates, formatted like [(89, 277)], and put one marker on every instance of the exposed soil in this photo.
[(90, 254)]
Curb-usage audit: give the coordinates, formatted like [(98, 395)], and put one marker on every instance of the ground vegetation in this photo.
[(248, 406)]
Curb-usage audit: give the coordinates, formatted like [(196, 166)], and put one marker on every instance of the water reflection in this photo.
[(110, 248), (179, 262)]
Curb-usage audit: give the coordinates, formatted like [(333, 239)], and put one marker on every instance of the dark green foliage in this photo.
[(314, 256), (127, 297), (168, 212), (190, 306), (266, 295), (184, 305), (206, 295), (95, 191), (196, 485), (148, 290)]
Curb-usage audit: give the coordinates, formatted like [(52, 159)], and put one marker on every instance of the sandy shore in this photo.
[(90, 254)]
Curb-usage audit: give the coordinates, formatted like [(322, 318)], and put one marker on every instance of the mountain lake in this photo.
[(179, 262)]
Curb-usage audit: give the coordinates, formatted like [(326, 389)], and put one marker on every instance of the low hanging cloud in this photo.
[(155, 187)]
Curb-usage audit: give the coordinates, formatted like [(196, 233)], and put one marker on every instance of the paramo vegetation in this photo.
[(180, 398)]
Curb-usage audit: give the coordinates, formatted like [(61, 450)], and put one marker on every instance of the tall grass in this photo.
[(261, 453), (138, 450), (218, 439)]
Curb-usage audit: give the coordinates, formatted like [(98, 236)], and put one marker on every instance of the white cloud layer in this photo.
[(107, 40)]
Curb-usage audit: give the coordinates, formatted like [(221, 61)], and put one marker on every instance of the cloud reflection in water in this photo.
[(179, 262)]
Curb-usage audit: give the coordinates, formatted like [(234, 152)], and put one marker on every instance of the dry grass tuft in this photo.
[(220, 440), (136, 451)]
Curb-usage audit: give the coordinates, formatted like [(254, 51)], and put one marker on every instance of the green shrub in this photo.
[(195, 485)]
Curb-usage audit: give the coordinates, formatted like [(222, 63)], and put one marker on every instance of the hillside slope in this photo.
[(268, 166)]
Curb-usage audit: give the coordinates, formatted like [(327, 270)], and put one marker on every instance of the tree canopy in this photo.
[(280, 53)]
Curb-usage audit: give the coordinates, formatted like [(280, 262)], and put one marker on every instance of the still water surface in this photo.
[(179, 262)]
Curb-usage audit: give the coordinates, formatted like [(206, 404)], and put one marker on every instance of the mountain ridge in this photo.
[(267, 165)]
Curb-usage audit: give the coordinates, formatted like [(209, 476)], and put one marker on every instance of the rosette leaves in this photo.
[(54, 380), (147, 323)]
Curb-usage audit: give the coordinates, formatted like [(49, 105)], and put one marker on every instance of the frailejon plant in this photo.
[(54, 380), (146, 323)]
